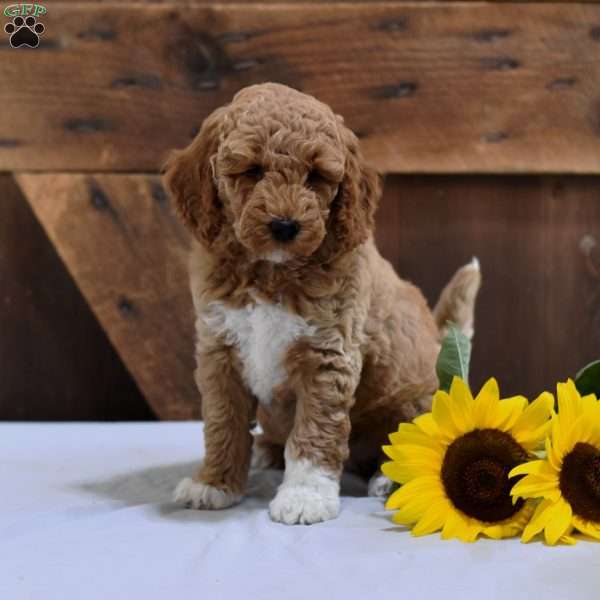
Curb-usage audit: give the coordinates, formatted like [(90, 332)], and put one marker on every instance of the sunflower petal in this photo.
[(541, 468), (442, 415), (541, 516), (451, 527), (433, 518), (390, 452), (461, 527), (532, 426), (509, 411), (587, 527), (415, 507), (559, 524), (394, 501), (461, 405), (396, 472), (506, 529), (427, 424), (559, 439), (569, 403), (414, 436), (568, 539), (591, 410), (403, 471), (411, 451), (584, 428), (552, 457), (533, 486), (407, 516), (403, 429), (410, 462), (589, 403), (486, 404), (419, 486), (496, 532), (410, 513)]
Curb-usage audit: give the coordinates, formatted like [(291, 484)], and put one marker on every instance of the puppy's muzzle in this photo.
[(284, 230)]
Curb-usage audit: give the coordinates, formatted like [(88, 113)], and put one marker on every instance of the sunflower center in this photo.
[(484, 480), (475, 474), (580, 481)]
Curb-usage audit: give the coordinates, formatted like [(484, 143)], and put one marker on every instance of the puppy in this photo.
[(300, 323)]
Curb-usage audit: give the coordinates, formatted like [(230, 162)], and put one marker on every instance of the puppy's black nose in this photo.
[(284, 230)]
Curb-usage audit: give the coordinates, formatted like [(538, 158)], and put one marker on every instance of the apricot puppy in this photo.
[(301, 323)]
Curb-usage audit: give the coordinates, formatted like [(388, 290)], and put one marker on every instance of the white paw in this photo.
[(196, 494), (303, 505), (380, 486)]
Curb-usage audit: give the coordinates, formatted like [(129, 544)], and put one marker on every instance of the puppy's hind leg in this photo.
[(266, 454), (380, 486)]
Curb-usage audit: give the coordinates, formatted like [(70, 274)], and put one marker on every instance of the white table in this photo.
[(85, 513)]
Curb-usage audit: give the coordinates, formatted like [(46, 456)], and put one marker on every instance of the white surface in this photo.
[(85, 513)]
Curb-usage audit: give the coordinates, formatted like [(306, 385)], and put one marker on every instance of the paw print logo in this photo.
[(24, 32)]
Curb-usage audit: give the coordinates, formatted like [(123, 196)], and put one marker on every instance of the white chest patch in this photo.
[(262, 333)]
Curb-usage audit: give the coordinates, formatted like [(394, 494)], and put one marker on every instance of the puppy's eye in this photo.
[(255, 171), (314, 179)]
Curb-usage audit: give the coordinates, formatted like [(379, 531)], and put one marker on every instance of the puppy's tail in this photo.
[(457, 300)]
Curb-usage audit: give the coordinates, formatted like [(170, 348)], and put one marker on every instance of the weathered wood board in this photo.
[(128, 255), (444, 87), (56, 363), (538, 315)]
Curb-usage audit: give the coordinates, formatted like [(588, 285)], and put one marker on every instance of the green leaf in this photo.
[(454, 357), (587, 381)]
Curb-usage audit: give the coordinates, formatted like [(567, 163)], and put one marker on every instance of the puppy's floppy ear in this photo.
[(188, 176), (353, 210)]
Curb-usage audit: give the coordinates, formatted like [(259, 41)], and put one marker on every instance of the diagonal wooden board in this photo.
[(128, 255), (430, 87)]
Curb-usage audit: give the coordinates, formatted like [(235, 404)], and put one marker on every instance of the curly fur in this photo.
[(365, 358)]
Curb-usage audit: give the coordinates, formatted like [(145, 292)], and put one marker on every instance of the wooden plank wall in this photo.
[(429, 87), (55, 360), (486, 117), (538, 315), (128, 254), (526, 231)]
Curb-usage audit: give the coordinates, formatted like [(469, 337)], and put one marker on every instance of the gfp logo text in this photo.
[(22, 10)]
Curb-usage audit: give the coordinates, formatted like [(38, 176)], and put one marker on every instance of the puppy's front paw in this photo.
[(304, 505), (196, 494)]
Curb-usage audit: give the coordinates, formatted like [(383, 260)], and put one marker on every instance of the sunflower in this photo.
[(568, 479), (453, 462)]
